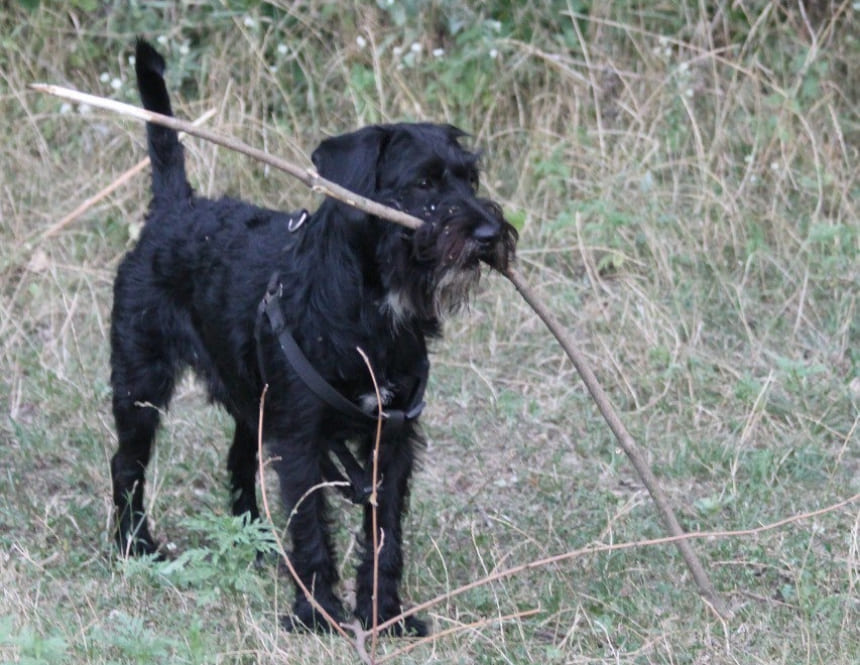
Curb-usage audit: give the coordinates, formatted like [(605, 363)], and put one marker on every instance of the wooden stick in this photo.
[(319, 184)]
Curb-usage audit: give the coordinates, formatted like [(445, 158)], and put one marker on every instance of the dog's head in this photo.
[(423, 170)]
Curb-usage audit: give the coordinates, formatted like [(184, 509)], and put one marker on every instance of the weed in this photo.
[(226, 567)]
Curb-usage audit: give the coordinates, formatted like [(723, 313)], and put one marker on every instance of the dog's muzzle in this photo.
[(485, 234)]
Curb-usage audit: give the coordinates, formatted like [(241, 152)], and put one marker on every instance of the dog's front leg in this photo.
[(395, 472), (299, 470)]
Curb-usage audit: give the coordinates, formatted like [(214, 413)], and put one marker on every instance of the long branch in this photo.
[(321, 185)]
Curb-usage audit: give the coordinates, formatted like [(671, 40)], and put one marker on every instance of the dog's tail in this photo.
[(165, 152)]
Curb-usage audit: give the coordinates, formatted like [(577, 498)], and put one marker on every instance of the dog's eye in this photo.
[(424, 183)]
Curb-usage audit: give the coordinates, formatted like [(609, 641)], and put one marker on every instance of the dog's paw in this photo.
[(410, 626), (138, 546), (306, 619)]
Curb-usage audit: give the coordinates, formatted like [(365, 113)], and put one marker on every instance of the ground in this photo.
[(684, 178)]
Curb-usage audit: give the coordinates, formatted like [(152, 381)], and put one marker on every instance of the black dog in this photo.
[(247, 296)]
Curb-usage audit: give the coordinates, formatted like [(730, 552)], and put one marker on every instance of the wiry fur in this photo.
[(187, 295)]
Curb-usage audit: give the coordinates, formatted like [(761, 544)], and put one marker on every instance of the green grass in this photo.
[(685, 181)]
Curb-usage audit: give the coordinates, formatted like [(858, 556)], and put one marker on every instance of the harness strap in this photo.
[(394, 419)]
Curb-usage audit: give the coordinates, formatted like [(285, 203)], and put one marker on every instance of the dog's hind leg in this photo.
[(393, 491), (242, 465), (136, 411), (143, 368)]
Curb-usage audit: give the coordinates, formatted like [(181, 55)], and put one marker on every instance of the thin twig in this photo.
[(377, 546), (360, 640), (315, 182), (456, 629), (615, 547), (95, 198), (121, 180)]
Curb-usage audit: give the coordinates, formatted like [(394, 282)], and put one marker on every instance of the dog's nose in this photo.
[(486, 232)]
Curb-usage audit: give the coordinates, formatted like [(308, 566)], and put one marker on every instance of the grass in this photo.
[(685, 182)]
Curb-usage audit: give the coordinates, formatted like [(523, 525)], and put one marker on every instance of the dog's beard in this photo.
[(453, 290), (457, 270), (431, 275), (437, 295)]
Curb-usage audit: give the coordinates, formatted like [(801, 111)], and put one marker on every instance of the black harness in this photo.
[(393, 419)]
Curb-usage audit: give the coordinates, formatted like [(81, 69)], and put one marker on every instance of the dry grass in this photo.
[(686, 185)]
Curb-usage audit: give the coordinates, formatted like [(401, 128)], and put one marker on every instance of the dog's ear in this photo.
[(351, 160)]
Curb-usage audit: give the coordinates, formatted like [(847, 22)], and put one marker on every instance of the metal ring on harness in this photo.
[(295, 224)]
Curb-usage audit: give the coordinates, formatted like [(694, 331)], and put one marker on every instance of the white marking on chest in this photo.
[(398, 307), (368, 401)]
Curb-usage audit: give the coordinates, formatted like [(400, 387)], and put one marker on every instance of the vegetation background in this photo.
[(685, 179)]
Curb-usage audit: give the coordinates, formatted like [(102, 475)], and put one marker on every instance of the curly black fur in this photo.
[(187, 295)]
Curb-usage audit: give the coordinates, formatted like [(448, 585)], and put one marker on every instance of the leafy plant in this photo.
[(223, 565)]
